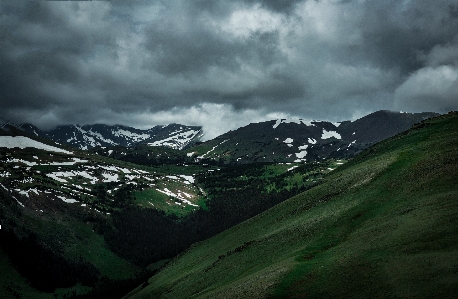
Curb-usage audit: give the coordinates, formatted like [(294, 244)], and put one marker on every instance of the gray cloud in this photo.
[(148, 62), (428, 88), (285, 6)]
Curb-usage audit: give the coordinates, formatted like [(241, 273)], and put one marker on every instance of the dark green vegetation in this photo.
[(144, 154), (383, 225), (232, 195)]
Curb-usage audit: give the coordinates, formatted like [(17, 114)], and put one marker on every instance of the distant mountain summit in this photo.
[(297, 140), (89, 136)]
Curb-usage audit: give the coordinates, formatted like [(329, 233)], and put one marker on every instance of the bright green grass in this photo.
[(382, 226), (151, 198), (295, 176)]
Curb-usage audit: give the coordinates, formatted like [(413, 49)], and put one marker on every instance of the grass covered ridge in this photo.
[(383, 225)]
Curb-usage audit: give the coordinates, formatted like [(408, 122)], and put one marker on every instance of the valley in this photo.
[(108, 218), (115, 218)]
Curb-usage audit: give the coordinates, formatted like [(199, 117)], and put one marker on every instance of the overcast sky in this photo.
[(223, 64)]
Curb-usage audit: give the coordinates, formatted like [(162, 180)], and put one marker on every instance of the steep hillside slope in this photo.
[(382, 226), (288, 140)]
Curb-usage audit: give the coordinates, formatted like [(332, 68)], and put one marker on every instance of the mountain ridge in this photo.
[(85, 137), (298, 140), (281, 140)]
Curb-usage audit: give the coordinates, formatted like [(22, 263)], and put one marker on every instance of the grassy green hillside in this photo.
[(384, 225)]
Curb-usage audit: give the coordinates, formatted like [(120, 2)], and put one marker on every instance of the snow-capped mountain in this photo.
[(282, 140), (175, 136), (297, 140), (89, 136)]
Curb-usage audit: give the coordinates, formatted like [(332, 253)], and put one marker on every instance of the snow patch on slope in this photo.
[(178, 140), (134, 136), (203, 156), (178, 195), (303, 152), (297, 121), (329, 134), (67, 200), (288, 140), (23, 142)]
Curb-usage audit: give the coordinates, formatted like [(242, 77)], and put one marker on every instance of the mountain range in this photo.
[(282, 140)]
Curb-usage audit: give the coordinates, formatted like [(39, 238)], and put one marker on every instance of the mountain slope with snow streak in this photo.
[(298, 140), (90, 136), (24, 142), (37, 174)]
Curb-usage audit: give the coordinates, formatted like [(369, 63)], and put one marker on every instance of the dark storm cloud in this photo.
[(117, 61), (277, 5), (419, 38), (39, 49), (395, 32), (221, 6)]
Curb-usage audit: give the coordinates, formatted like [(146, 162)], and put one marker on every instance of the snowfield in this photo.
[(302, 152), (177, 141), (188, 178), (288, 140), (292, 120), (23, 142), (203, 156), (134, 136)]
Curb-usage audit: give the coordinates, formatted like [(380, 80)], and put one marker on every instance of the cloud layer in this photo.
[(223, 64)]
